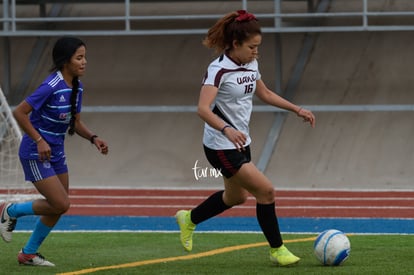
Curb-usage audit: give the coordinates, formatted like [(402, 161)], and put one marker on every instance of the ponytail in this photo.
[(238, 25), (65, 47), (73, 106)]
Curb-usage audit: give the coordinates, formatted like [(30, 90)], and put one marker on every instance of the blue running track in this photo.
[(226, 224)]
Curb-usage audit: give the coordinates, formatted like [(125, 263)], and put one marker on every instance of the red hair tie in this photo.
[(245, 16)]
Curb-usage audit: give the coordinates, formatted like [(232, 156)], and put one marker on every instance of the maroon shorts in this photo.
[(228, 162)]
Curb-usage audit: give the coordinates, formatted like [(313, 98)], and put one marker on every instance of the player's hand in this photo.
[(101, 145), (236, 137), (307, 116), (44, 150)]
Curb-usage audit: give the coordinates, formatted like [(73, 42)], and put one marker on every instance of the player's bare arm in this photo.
[(83, 131), (207, 95), (271, 98)]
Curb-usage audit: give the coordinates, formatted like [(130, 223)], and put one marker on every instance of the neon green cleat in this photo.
[(283, 256), (186, 228)]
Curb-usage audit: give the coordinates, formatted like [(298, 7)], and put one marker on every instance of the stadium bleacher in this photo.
[(361, 150)]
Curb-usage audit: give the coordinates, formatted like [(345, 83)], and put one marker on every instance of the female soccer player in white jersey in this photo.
[(229, 84), (45, 116)]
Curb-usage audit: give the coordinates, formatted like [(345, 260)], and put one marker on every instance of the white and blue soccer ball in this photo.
[(332, 247)]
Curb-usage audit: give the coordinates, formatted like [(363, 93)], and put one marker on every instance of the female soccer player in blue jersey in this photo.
[(45, 116), (229, 84)]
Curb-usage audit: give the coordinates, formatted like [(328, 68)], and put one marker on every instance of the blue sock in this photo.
[(36, 239), (21, 209)]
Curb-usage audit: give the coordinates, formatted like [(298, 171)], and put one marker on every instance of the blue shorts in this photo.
[(36, 170), (228, 161)]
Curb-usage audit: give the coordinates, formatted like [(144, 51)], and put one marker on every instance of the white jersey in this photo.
[(234, 101)]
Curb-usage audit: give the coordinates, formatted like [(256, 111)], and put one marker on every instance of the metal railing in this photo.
[(366, 15)]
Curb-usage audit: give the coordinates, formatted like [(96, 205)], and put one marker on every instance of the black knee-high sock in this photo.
[(211, 207), (266, 216)]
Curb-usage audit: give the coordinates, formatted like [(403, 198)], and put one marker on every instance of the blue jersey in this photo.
[(50, 116)]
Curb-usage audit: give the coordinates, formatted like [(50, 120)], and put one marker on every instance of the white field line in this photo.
[(240, 207), (249, 198)]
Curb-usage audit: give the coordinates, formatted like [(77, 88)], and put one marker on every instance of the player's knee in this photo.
[(242, 199), (236, 200), (62, 207), (266, 196)]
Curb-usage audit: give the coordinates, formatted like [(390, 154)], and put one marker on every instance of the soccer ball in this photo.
[(332, 247)]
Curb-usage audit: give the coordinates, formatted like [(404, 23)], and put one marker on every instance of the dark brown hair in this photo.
[(238, 25), (65, 47)]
